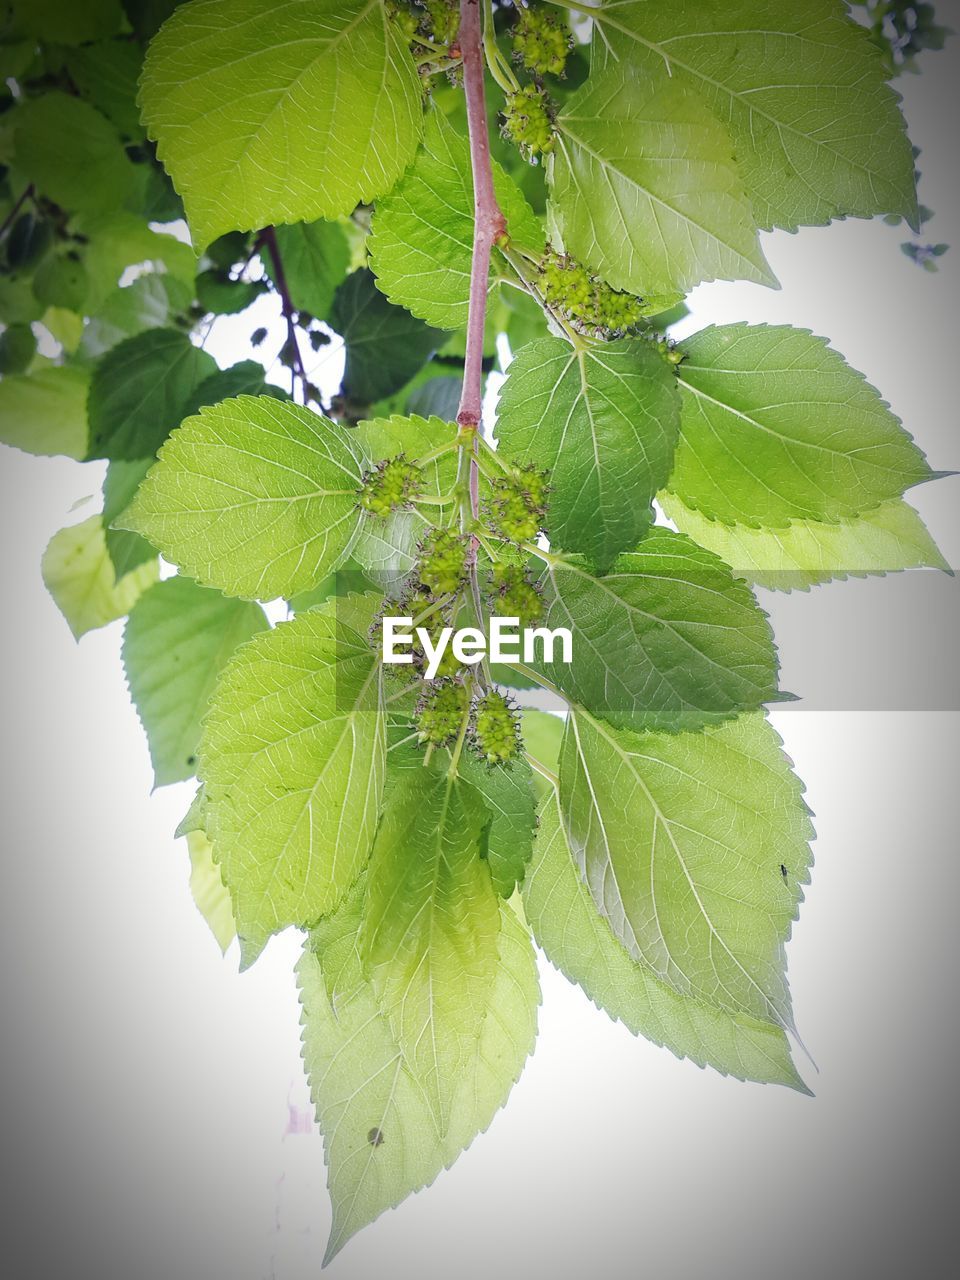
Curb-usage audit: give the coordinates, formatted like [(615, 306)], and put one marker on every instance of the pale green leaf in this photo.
[(385, 345), (887, 539), (776, 427), (292, 760), (579, 941), (507, 792), (72, 154), (431, 928), (269, 112), (79, 574), (817, 132), (106, 74), (380, 1137), (177, 640), (603, 422), (118, 240), (208, 890), (645, 190), (139, 392), (315, 257), (150, 302), (46, 412), (421, 237), (694, 847), (253, 496), (668, 639), (121, 482)]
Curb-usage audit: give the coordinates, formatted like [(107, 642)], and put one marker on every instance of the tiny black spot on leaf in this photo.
[(375, 1137)]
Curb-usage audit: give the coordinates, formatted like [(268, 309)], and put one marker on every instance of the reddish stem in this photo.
[(488, 225)]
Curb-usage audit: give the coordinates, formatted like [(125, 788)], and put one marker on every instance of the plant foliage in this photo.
[(317, 163)]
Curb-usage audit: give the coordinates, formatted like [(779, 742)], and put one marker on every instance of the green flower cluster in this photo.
[(540, 42), (393, 483), (495, 729), (442, 564), (517, 504), (440, 712), (588, 301), (514, 595), (527, 121)]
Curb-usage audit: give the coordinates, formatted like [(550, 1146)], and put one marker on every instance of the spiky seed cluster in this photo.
[(442, 565), (588, 301), (440, 712), (495, 729), (515, 596), (527, 121), (540, 42), (393, 483), (442, 21), (518, 503)]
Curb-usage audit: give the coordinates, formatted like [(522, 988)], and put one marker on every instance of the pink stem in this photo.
[(488, 226)]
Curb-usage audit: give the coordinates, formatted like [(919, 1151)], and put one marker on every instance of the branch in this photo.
[(489, 223), (268, 239), (9, 219)]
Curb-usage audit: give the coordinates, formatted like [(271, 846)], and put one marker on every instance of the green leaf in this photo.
[(253, 496), (668, 639), (150, 302), (72, 154), (380, 1137), (139, 392), (286, 112), (46, 412), (18, 347), (776, 427), (127, 550), (580, 942), (177, 640), (208, 890), (817, 132), (146, 17), (430, 934), (887, 539), (223, 296), (78, 573), (243, 379), (292, 760), (389, 546), (645, 190), (106, 74), (604, 422), (315, 257), (681, 838), (436, 398), (62, 21), (507, 793), (385, 344), (421, 237), (61, 281), (119, 240)]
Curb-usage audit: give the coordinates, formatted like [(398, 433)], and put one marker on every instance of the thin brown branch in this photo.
[(11, 216), (268, 240)]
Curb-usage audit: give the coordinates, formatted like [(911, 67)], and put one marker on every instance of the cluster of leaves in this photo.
[(654, 842)]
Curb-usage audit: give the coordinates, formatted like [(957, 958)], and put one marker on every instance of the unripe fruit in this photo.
[(517, 504), (495, 731), (393, 483), (540, 42), (588, 301), (442, 565), (527, 121), (515, 596), (440, 713)]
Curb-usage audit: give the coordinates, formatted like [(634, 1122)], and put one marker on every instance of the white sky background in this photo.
[(155, 1081)]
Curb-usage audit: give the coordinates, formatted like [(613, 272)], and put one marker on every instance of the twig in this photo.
[(268, 239), (9, 219)]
